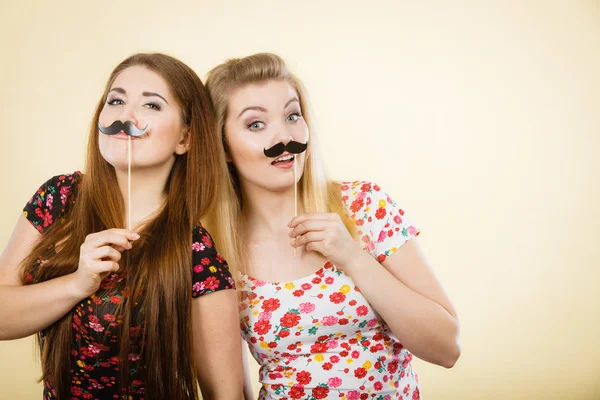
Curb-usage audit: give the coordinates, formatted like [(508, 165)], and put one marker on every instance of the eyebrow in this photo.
[(145, 94), (263, 109)]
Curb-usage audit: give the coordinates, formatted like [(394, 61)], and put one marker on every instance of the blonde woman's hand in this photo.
[(325, 233)]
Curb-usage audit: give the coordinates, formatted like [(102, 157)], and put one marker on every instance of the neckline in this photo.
[(327, 266)]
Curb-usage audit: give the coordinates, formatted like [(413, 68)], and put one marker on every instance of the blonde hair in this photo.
[(316, 192)]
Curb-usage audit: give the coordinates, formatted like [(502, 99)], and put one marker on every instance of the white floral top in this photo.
[(317, 337)]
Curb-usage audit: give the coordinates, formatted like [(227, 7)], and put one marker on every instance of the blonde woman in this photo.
[(335, 301)]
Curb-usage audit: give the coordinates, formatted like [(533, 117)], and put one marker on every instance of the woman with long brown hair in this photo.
[(141, 313), (334, 301)]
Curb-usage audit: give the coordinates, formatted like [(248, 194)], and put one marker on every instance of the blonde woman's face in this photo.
[(260, 116)]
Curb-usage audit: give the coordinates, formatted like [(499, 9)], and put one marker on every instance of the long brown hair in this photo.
[(162, 256), (317, 192)]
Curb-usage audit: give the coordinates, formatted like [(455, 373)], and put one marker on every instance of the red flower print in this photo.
[(365, 187), (352, 303), (360, 373), (262, 327), (272, 345), (296, 392), (378, 386), (398, 219), (356, 205), (318, 347), (327, 366), (115, 299), (211, 283), (306, 286), (205, 261), (381, 258), (320, 392), (362, 311), (334, 359), (355, 354), (316, 280), (284, 333), (303, 377), (416, 395), (343, 321), (290, 319), (329, 280), (298, 293), (270, 304), (393, 366), (109, 317), (207, 241), (380, 213), (76, 391), (337, 297)]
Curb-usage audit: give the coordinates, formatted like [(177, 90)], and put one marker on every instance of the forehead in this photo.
[(139, 79), (272, 95)]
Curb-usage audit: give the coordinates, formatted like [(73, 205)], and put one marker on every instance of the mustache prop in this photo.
[(128, 127), (280, 148)]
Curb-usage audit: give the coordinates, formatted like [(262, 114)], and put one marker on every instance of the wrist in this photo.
[(357, 261), (73, 287)]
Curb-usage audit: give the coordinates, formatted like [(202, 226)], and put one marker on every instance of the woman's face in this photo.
[(143, 97), (260, 116)]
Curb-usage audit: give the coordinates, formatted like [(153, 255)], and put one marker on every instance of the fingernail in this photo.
[(135, 235)]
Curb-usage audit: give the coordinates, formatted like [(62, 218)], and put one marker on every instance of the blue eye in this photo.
[(294, 117), (256, 125), (115, 102)]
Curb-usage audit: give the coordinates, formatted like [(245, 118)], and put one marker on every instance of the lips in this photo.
[(123, 136), (284, 158)]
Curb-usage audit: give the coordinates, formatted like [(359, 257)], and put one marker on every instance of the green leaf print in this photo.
[(313, 330)]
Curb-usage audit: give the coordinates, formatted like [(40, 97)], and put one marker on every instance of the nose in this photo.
[(283, 134), (128, 114)]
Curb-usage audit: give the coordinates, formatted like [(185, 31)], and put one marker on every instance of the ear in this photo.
[(184, 141)]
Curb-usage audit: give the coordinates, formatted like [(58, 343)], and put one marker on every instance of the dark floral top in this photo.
[(94, 361)]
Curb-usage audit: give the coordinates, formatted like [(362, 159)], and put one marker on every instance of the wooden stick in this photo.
[(129, 182), (295, 197)]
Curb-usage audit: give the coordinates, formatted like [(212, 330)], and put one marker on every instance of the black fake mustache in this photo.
[(128, 127), (290, 147)]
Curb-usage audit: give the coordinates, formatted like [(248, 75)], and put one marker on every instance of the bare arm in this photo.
[(217, 346), (25, 310), (429, 326), (403, 289)]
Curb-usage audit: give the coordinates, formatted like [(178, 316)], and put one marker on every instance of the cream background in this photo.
[(481, 118)]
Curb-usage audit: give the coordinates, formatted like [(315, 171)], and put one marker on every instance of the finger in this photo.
[(317, 246), (104, 253), (105, 267), (308, 226), (308, 238), (118, 248), (310, 216), (109, 238), (131, 235)]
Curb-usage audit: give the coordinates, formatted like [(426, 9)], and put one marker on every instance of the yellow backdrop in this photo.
[(481, 118)]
